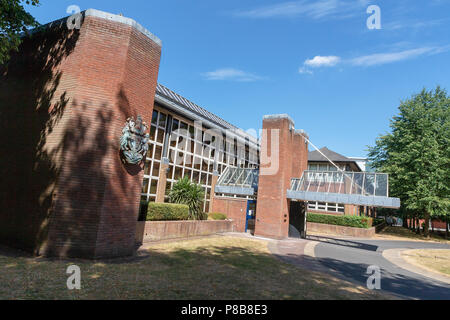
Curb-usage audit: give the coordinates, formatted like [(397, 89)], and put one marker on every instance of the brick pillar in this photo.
[(215, 177), (162, 180), (98, 196), (74, 90), (272, 215)]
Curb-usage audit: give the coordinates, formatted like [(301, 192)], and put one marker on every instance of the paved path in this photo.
[(349, 258)]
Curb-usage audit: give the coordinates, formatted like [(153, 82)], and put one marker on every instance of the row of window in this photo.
[(188, 156), (327, 167), (326, 207)]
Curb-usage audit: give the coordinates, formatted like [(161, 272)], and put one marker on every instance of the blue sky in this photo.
[(314, 60)]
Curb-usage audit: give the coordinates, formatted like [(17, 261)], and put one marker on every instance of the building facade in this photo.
[(75, 99), (191, 142)]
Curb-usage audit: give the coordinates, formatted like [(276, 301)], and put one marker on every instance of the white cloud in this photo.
[(308, 8), (318, 62), (321, 61), (371, 59), (232, 75), (384, 58)]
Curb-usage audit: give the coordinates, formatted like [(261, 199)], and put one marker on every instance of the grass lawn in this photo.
[(208, 268), (434, 260), (401, 233)]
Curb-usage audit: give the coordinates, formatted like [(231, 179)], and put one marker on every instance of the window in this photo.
[(326, 207), (190, 156)]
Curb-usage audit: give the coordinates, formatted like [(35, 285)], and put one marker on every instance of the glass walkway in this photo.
[(355, 188), (238, 181)]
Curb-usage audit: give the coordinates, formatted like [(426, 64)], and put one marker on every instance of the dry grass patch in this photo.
[(209, 268), (432, 260)]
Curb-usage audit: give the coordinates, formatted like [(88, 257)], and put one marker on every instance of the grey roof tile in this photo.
[(175, 97), (334, 156)]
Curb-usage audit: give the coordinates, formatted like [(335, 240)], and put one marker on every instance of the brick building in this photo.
[(66, 192)]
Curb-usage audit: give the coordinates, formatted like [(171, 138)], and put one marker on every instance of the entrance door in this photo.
[(297, 219), (250, 216)]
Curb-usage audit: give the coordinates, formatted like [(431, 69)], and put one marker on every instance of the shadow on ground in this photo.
[(345, 243), (191, 270), (401, 282)]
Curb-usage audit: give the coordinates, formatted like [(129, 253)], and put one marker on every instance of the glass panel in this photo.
[(175, 125), (155, 172), (162, 120), (145, 186), (197, 163), (158, 153), (178, 173), (154, 186), (160, 137), (147, 167), (203, 178), (187, 173), (188, 161), (195, 176), (152, 133), (382, 185), (155, 117)]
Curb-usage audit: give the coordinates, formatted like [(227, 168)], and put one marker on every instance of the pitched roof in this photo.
[(203, 113), (333, 156)]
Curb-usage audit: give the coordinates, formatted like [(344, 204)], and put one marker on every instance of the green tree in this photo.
[(416, 154), (186, 192), (13, 20)]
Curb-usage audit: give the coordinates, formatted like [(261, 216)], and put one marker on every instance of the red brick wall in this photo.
[(165, 230), (91, 199), (340, 230), (272, 214), (235, 209)]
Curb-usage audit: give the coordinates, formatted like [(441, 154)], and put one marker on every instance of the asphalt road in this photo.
[(349, 258)]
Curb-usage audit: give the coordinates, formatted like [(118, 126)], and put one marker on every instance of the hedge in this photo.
[(167, 212), (216, 216), (346, 221)]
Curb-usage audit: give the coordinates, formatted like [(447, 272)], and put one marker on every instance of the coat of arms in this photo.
[(134, 141)]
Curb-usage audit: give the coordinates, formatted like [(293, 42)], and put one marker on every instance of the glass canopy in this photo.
[(357, 188), (238, 181)]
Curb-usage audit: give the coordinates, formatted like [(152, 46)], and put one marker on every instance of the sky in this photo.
[(317, 61)]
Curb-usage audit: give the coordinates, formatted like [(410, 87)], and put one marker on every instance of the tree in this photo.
[(416, 154), (13, 20), (186, 192)]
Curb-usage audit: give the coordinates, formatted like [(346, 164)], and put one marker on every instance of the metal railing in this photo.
[(351, 183)]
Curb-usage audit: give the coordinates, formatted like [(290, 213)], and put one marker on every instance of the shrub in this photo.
[(377, 221), (189, 193), (216, 216), (167, 212), (346, 221)]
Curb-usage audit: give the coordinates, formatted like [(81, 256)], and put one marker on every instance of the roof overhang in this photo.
[(352, 199)]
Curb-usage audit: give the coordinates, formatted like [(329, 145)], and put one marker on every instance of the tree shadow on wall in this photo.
[(30, 109), (48, 144)]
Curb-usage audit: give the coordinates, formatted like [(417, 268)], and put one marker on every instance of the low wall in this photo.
[(340, 230), (163, 230), (233, 208)]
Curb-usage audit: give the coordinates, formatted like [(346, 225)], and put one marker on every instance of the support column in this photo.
[(284, 155), (162, 181), (65, 98), (215, 177)]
